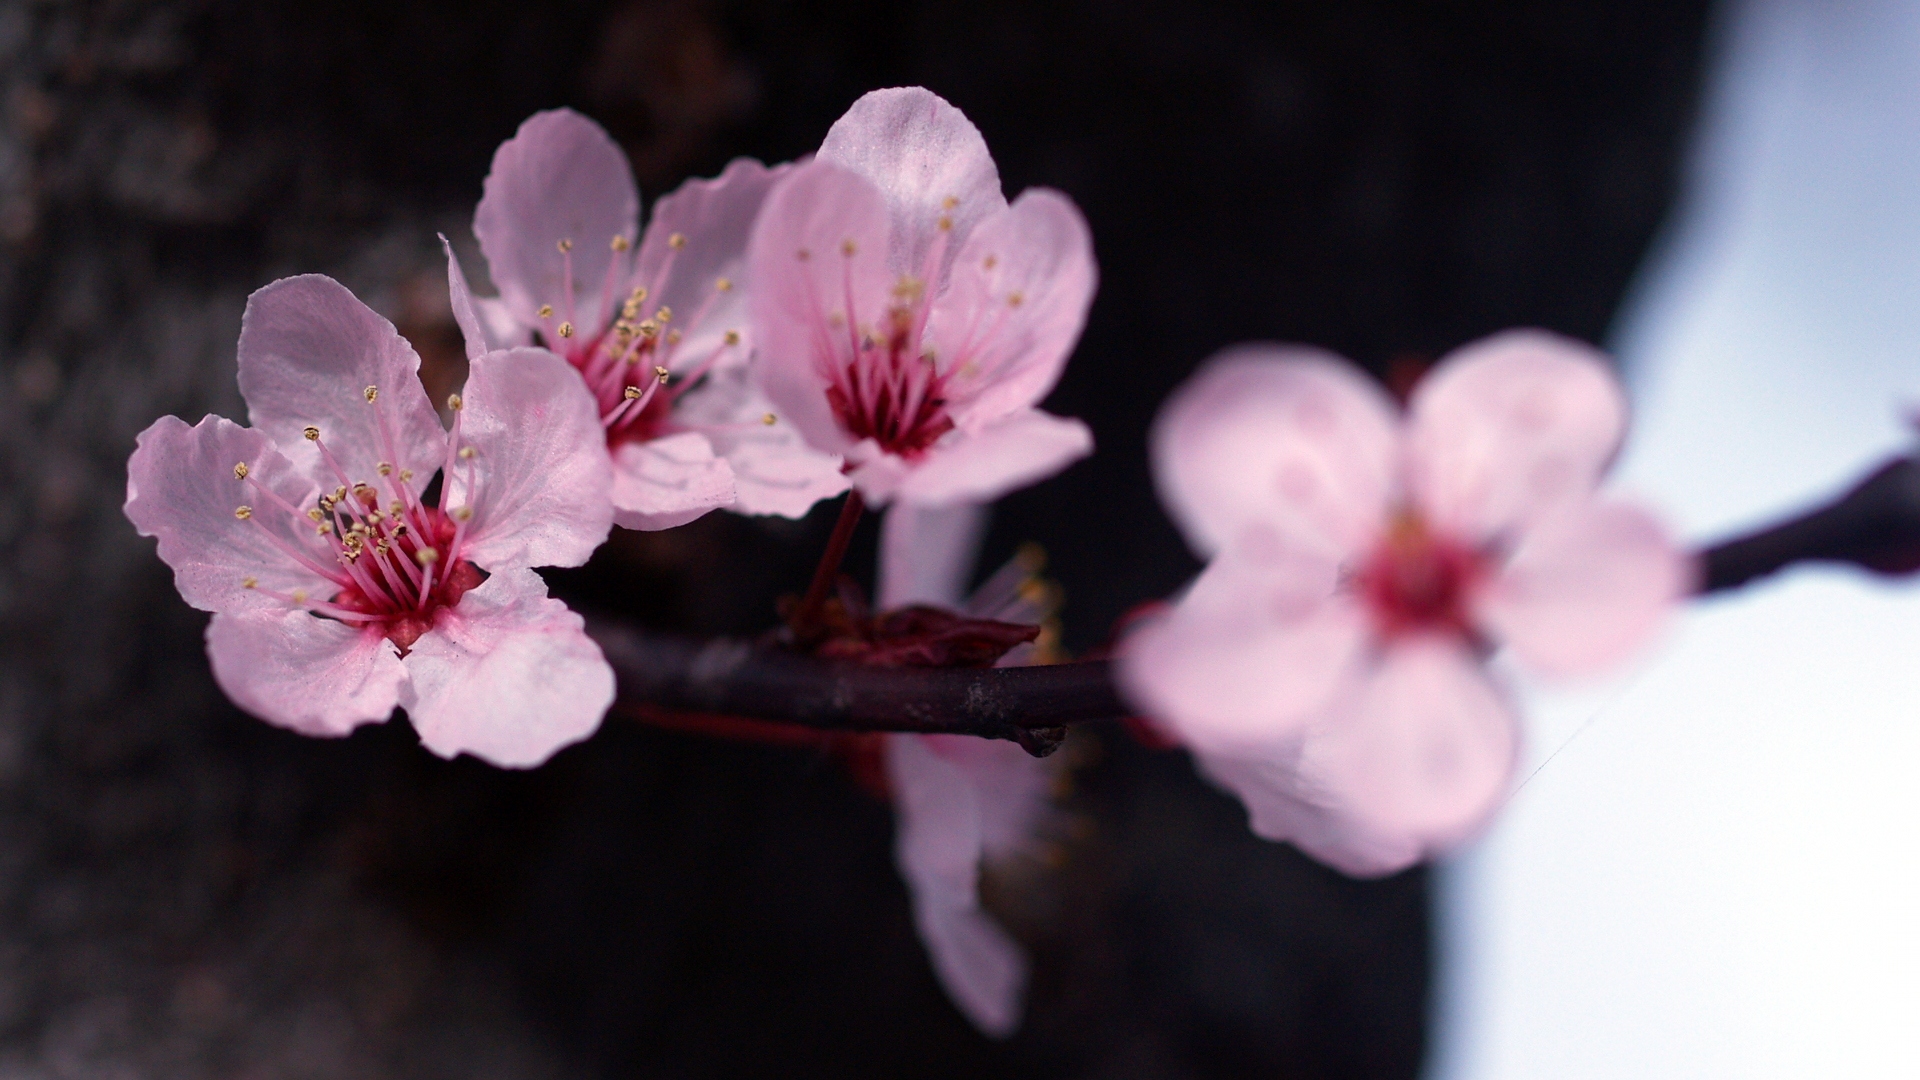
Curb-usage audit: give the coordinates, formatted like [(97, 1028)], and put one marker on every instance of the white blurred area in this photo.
[(1718, 872)]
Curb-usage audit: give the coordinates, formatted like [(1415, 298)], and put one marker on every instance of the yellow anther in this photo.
[(312, 433), (677, 241), (660, 373), (396, 508), (673, 337), (370, 393), (566, 329), (949, 202), (638, 294), (768, 419), (466, 453), (407, 474), (426, 556), (836, 320), (243, 512), (546, 311), (453, 403), (733, 337), (1015, 299), (324, 528), (299, 596), (400, 530), (565, 246), (632, 392), (249, 582), (990, 262), (338, 494), (384, 468), (724, 284), (848, 247), (240, 471), (463, 513), (909, 288), (664, 315), (648, 328), (317, 514), (374, 517), (803, 254), (620, 243), (946, 223)]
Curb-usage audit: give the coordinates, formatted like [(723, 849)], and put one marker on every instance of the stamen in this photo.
[(243, 512), (848, 247), (677, 241), (620, 243), (240, 471), (249, 582), (371, 393), (664, 315), (565, 246), (426, 556), (733, 337), (466, 453), (566, 329), (546, 311), (724, 284), (312, 433), (453, 403), (384, 468)]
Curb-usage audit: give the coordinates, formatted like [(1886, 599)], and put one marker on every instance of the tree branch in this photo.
[(1875, 526)]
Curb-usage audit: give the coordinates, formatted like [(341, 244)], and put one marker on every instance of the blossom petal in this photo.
[(508, 675), (928, 160), (1509, 428), (1250, 655), (774, 470), (182, 489), (560, 178), (1287, 441), (711, 219), (296, 670), (1014, 306), (309, 350), (466, 313), (1584, 588), (939, 841), (668, 481), (540, 463), (1270, 787), (1423, 749), (926, 553), (810, 296), (1020, 449)]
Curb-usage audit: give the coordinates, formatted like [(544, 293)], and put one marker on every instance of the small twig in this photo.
[(1875, 525), (828, 571)]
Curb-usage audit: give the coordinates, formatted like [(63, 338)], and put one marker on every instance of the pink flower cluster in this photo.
[(1327, 667)]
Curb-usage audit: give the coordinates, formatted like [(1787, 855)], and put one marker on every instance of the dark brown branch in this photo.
[(1876, 525)]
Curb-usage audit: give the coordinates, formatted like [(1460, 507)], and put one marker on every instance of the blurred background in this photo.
[(186, 892)]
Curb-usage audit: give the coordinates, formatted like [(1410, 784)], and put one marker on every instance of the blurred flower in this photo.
[(1327, 666), (655, 324), (961, 801), (908, 318), (337, 592)]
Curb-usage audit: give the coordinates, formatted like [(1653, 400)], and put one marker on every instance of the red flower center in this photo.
[(890, 392), (1416, 580)]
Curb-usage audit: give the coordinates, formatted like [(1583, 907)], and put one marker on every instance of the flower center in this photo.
[(393, 561), (1416, 580), (891, 391)]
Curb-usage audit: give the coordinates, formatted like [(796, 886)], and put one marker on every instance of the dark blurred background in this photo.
[(186, 892)]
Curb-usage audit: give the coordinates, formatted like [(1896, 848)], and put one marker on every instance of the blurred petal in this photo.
[(669, 481), (1270, 788), (1293, 441), (983, 465), (181, 488), (920, 152), (559, 178), (508, 675), (466, 314), (810, 296), (1013, 307), (926, 554), (1510, 428), (540, 463), (308, 351), (299, 671), (1584, 588)]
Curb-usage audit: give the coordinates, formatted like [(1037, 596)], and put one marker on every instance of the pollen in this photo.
[(426, 556), (648, 328), (249, 582), (620, 243), (949, 202), (324, 528), (664, 315), (660, 373), (566, 329), (848, 247), (946, 223), (638, 294), (724, 284), (769, 419), (453, 403), (370, 393), (463, 513), (673, 337), (990, 262), (396, 508), (466, 453), (299, 596), (632, 392), (565, 246), (407, 474), (243, 512), (317, 514), (733, 337), (546, 311), (677, 241), (240, 471), (1015, 299), (312, 433)]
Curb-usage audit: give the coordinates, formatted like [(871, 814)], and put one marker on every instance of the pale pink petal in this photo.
[(1509, 428), (981, 466), (299, 671), (540, 476), (775, 471), (508, 675), (466, 313), (1270, 787), (1013, 307), (928, 160), (1250, 655), (502, 329), (1584, 588), (875, 472), (938, 843), (712, 218), (926, 553), (1292, 441), (817, 261), (560, 178), (308, 352), (668, 481), (1423, 750), (182, 489)]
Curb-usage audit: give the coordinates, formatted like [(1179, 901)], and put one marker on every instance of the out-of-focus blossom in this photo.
[(908, 318), (337, 592), (961, 801), (655, 324), (1327, 666)]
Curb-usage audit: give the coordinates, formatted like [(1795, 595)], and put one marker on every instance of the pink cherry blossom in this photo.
[(1327, 666), (908, 317), (961, 802), (337, 591), (655, 324)]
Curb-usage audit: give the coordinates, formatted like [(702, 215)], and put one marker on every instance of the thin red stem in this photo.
[(825, 574)]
